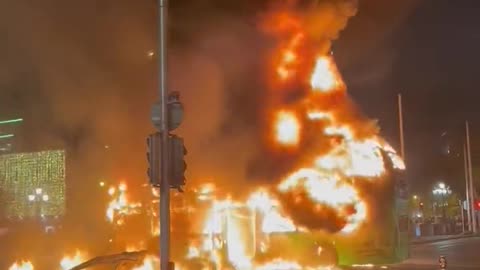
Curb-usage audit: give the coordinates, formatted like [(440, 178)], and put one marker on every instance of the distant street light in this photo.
[(441, 189), (415, 197)]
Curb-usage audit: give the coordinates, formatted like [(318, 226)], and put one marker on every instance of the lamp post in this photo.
[(442, 190), (37, 197), (416, 207), (460, 204)]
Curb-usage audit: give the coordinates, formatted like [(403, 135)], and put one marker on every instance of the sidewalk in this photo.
[(437, 238)]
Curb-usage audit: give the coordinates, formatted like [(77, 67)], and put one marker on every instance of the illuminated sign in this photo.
[(33, 184)]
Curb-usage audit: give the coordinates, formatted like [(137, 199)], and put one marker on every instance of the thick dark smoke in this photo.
[(378, 195), (80, 75), (314, 216)]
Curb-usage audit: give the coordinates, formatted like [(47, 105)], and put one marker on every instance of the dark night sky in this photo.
[(428, 51), (78, 54)]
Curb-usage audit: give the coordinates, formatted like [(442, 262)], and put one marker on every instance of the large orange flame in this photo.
[(325, 76), (69, 262), (149, 263), (335, 150), (287, 128), (333, 143), (119, 206)]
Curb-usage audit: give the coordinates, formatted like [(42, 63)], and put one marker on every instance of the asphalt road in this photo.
[(461, 254)]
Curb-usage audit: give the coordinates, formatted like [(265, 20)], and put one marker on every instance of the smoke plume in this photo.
[(81, 76), (87, 85)]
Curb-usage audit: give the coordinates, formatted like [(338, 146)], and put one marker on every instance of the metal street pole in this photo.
[(444, 217), (470, 176), (164, 162), (400, 123), (467, 193), (462, 214)]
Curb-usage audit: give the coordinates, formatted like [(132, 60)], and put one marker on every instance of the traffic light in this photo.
[(153, 157), (476, 205), (178, 166), (175, 163)]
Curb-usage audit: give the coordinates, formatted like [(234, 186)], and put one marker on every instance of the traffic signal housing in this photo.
[(154, 142), (177, 165)]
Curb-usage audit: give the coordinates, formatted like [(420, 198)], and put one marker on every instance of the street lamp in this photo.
[(36, 197), (441, 189)]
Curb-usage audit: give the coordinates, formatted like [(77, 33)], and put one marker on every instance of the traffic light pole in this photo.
[(467, 190), (164, 162), (470, 178)]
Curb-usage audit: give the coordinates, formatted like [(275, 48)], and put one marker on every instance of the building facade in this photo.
[(8, 130), (33, 184)]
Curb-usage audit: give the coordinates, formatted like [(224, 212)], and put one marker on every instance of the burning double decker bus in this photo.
[(335, 187), (256, 233), (332, 190)]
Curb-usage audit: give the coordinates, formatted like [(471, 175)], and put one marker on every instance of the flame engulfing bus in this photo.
[(335, 191), (256, 233)]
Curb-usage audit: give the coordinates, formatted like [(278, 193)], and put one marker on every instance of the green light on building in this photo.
[(33, 183), (6, 136), (11, 121)]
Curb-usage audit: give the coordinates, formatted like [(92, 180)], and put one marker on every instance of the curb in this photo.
[(443, 239)]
